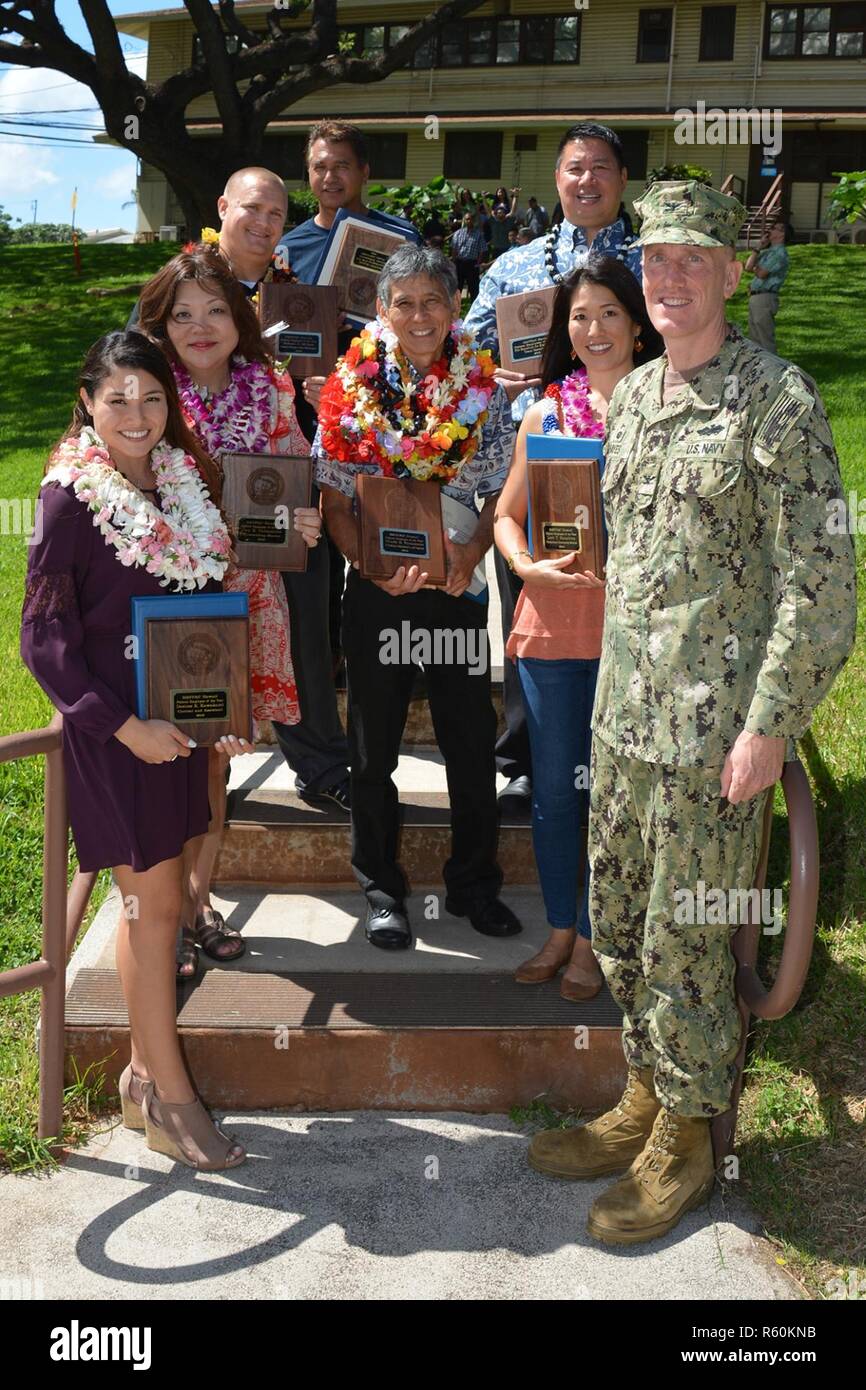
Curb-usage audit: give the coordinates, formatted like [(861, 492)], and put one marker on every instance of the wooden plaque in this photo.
[(260, 493), (310, 315), (565, 512), (522, 323), (198, 676), (399, 523), (353, 263)]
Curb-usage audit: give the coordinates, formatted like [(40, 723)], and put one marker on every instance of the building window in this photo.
[(815, 31), (480, 45), (537, 35), (285, 155), (233, 44), (508, 41), (387, 154), (566, 39), (717, 33), (451, 45), (654, 36), (475, 154), (538, 40), (817, 155), (634, 148)]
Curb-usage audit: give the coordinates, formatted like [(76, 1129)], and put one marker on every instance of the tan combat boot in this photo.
[(674, 1174), (606, 1145)]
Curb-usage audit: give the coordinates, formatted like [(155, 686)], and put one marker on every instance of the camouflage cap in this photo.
[(687, 212)]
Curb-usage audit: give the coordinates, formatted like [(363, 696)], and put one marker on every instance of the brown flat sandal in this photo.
[(578, 984), (211, 931), (543, 966), (186, 955), (188, 1134)]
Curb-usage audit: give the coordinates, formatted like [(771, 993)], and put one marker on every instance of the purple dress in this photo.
[(74, 639)]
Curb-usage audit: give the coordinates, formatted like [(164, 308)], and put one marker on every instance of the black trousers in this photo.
[(468, 274), (464, 721), (316, 749), (512, 749)]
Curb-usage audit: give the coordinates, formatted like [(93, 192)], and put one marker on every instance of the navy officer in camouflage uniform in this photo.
[(730, 608)]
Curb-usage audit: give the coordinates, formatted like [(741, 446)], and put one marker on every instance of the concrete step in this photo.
[(314, 1017), (274, 837)]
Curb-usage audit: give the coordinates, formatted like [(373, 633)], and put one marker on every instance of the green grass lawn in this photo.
[(802, 1121)]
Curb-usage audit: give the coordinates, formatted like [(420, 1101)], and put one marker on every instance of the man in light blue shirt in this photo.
[(590, 179), (769, 266)]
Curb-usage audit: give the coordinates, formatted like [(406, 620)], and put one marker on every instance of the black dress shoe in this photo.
[(516, 797), (491, 918), (338, 795), (388, 927)]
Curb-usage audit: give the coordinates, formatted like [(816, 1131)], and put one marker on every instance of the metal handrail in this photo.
[(62, 914), (752, 996)]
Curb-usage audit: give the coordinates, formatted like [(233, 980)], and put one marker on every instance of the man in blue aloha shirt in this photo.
[(590, 179)]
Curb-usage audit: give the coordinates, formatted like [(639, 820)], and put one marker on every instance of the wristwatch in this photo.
[(511, 558)]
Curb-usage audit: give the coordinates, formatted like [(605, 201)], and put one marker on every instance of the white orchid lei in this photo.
[(185, 544)]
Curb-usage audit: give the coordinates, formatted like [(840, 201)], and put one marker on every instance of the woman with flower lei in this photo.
[(414, 398), (599, 319), (235, 400), (129, 506)]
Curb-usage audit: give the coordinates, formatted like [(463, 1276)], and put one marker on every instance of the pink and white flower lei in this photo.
[(186, 543), (236, 420), (578, 415)]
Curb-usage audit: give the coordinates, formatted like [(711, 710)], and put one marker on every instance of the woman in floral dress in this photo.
[(235, 400)]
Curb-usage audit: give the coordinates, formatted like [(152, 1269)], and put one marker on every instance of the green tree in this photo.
[(5, 227), (849, 199), (680, 171)]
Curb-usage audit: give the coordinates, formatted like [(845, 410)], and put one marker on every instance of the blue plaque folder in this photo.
[(192, 663), (564, 510)]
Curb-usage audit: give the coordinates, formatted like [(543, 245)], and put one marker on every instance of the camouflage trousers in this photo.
[(662, 838)]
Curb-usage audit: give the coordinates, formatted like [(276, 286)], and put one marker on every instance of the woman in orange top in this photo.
[(599, 332)]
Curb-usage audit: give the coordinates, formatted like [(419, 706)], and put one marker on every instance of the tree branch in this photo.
[(223, 80), (106, 40), (234, 26)]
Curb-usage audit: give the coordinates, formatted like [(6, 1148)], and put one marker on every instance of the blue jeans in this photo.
[(558, 696)]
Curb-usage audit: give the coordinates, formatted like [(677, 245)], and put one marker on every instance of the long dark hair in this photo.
[(610, 274), (206, 266), (133, 352)]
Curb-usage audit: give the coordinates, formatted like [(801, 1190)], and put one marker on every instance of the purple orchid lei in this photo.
[(237, 419)]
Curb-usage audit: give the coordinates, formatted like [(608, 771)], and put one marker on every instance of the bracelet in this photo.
[(512, 558)]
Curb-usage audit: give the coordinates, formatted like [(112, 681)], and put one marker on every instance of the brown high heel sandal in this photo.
[(543, 966), (578, 983), (132, 1089), (202, 1146)]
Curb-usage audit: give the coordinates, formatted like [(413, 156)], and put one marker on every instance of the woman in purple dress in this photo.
[(126, 510)]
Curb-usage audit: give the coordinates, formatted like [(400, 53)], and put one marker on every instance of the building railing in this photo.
[(752, 997), (62, 914)]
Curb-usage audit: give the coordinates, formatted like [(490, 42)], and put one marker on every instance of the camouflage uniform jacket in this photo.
[(730, 604)]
